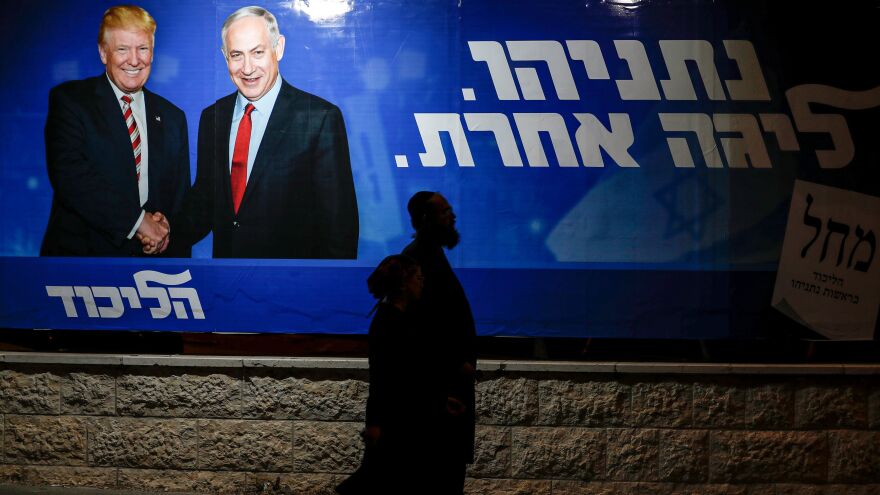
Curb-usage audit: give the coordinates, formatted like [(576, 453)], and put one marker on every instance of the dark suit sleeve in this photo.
[(197, 214), (74, 172), (337, 212), (180, 248)]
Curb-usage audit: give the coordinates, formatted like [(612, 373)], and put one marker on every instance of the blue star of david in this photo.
[(680, 220)]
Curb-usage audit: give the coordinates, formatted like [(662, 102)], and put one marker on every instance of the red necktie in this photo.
[(133, 133), (238, 175)]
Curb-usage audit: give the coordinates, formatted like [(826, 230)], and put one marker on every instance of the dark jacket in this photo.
[(92, 170), (445, 315), (299, 201)]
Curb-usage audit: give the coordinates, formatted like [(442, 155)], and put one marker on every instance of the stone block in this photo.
[(568, 487), (491, 452), (143, 443), (12, 474), (770, 406), (874, 408), (854, 456), (45, 440), (167, 480), (295, 483), (185, 395), (634, 488), (731, 489), (563, 452), (799, 489), (327, 447), (506, 487), (301, 398), (684, 455), (29, 393), (632, 455), (241, 445), (719, 405), (864, 489), (563, 487), (507, 401), (88, 394), (832, 405), (768, 456), (662, 404), (594, 403), (58, 476)]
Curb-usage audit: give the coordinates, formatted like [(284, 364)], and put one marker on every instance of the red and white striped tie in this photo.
[(133, 133)]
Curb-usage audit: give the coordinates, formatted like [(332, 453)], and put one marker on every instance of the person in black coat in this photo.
[(405, 402), (444, 314)]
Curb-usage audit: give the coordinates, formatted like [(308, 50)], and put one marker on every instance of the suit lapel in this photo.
[(223, 126), (276, 129), (110, 112), (155, 145)]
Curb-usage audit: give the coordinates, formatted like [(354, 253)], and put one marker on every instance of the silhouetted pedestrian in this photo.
[(444, 314)]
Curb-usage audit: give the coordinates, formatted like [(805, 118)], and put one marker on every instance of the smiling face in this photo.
[(252, 61), (127, 55)]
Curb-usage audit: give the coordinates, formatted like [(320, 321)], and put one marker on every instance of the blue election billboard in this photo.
[(619, 168)]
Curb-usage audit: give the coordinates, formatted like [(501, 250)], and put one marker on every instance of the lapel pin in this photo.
[(158, 118)]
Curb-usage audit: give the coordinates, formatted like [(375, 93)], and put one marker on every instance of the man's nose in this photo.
[(247, 66)]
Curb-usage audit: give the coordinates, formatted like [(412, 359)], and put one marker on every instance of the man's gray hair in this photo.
[(252, 11)]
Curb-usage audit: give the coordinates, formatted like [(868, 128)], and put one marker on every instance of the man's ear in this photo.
[(103, 53), (279, 48)]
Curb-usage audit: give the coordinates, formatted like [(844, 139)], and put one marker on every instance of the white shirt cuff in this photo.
[(137, 225)]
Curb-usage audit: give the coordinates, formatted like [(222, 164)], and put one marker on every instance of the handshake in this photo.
[(154, 233)]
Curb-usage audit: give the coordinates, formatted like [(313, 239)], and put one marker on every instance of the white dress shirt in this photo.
[(139, 110)]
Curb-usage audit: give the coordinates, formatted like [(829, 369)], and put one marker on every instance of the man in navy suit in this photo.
[(274, 175), (117, 154)]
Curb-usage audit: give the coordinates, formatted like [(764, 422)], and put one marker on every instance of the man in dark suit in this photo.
[(274, 176), (444, 315), (115, 152)]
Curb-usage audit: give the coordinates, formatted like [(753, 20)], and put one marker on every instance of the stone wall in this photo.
[(223, 425)]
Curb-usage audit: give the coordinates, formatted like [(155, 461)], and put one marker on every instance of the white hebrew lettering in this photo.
[(499, 125), (116, 308), (142, 278), (751, 86), (188, 294), (750, 147), (117, 296), (588, 52), (701, 125), (780, 125), (430, 126), (642, 86), (679, 86), (552, 53), (492, 53), (530, 125), (592, 137), (799, 100), (85, 293), (66, 294)]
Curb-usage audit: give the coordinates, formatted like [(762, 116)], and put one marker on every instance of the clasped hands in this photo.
[(154, 233)]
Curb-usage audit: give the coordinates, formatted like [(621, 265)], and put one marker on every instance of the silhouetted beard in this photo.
[(446, 237), (450, 238)]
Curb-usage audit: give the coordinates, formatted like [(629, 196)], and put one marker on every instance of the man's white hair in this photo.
[(252, 11)]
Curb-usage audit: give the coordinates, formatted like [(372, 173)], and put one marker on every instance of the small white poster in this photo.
[(828, 274)]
